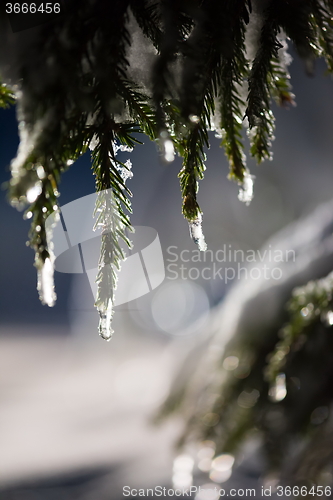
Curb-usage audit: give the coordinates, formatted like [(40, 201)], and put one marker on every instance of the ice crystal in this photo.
[(125, 170)]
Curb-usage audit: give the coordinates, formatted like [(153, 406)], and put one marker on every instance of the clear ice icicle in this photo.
[(196, 233), (105, 321), (166, 147), (246, 191)]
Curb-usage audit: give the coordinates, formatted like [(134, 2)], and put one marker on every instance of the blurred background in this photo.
[(75, 411)]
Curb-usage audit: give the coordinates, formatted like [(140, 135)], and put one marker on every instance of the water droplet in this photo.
[(194, 118), (319, 415), (34, 192), (247, 399), (279, 390), (307, 310), (182, 471), (205, 464), (221, 468), (28, 215), (210, 419), (329, 318), (231, 363), (207, 449), (223, 462), (41, 172)]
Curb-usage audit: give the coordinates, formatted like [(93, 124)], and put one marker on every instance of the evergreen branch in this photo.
[(148, 17), (113, 195), (175, 27), (323, 14), (295, 18), (281, 89), (233, 72), (258, 112), (192, 171), (7, 96), (308, 304), (139, 107)]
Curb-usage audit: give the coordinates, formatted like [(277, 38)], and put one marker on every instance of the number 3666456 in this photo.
[(33, 8)]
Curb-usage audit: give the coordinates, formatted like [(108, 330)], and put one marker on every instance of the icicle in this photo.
[(108, 221), (45, 270), (105, 321), (45, 284), (166, 147), (246, 191), (196, 233)]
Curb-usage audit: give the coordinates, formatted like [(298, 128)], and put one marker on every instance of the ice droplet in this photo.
[(45, 284), (196, 233), (246, 190), (105, 320)]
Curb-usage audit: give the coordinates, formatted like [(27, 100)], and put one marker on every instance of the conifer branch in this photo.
[(113, 195), (7, 96), (323, 14), (258, 112), (148, 16), (233, 73)]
